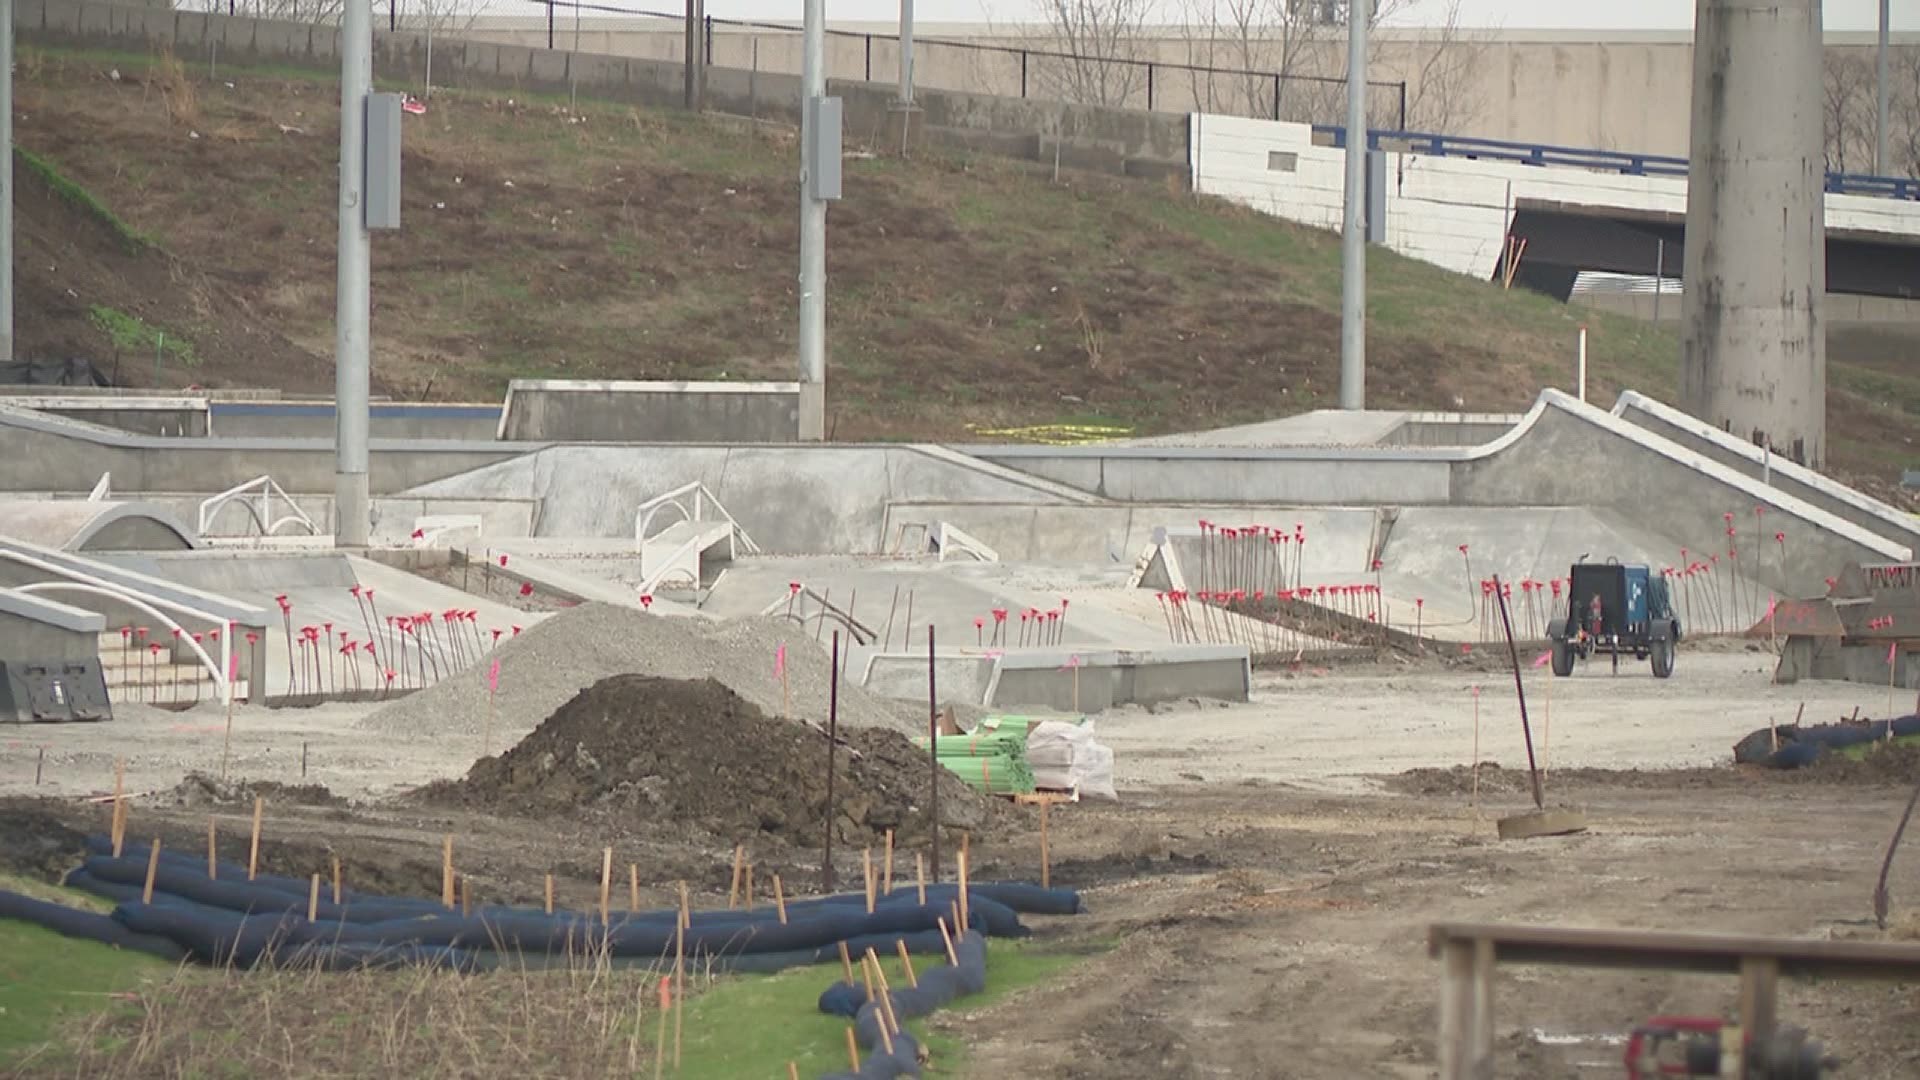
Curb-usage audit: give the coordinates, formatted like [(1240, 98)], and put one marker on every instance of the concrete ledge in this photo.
[(1745, 458), (613, 411), (51, 612), (1088, 680)]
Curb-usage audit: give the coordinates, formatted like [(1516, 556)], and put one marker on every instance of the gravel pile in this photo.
[(550, 662), (694, 754)]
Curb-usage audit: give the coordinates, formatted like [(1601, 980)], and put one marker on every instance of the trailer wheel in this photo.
[(1563, 658), (1663, 658)]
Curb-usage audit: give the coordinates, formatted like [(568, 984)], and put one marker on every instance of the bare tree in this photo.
[(1903, 108), (1848, 81), (1105, 49), (1443, 94), (1272, 41)]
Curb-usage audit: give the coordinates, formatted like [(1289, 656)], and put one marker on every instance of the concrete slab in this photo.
[(1067, 680)]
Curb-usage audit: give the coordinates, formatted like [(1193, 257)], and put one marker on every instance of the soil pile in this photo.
[(693, 752), (199, 789), (550, 662)]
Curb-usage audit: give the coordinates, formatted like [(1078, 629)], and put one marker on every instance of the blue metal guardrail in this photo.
[(1421, 142)]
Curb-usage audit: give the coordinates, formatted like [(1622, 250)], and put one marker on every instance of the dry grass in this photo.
[(169, 77), (587, 1018)]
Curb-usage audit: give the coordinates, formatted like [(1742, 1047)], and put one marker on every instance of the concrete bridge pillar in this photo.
[(1754, 358)]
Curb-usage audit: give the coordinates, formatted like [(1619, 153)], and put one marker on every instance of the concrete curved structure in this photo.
[(77, 525)]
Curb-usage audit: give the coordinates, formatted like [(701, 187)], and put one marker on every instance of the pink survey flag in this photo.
[(493, 676), (780, 661), (1541, 661)]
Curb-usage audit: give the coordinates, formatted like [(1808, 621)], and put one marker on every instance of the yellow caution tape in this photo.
[(1056, 434)]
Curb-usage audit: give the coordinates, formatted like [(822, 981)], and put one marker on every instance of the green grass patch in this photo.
[(753, 1026), (135, 337), (81, 199), (46, 978)]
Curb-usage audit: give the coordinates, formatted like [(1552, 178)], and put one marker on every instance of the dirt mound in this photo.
[(201, 789), (549, 663), (693, 752)]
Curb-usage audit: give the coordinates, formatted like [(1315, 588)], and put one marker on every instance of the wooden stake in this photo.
[(119, 826), (336, 880), (549, 894), (680, 975), (965, 920), (866, 977), (886, 994), (780, 899), (226, 742), (886, 888), (686, 909), (846, 964), (853, 1051), (906, 963), (1046, 862), (868, 856), (466, 895), (746, 897), (446, 872), (606, 883), (313, 899), (1474, 798), (920, 876), (660, 1043), (947, 940), (253, 844), (733, 890), (793, 1071), (213, 862), (153, 867), (633, 887)]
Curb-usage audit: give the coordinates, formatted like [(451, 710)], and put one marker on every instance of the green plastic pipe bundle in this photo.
[(991, 761)]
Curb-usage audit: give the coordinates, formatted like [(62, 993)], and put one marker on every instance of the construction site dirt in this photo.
[(1249, 915)]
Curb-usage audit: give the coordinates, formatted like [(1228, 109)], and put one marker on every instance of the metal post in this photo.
[(1659, 275), (1880, 163), (1149, 87), (813, 231), (1580, 367), (1353, 254), (696, 76), (1023, 73), (6, 181), (906, 53), (549, 24), (352, 302)]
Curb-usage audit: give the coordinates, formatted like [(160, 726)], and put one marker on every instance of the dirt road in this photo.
[(1260, 898)]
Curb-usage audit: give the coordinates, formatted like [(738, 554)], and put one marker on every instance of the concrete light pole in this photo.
[(813, 228), (1754, 360), (6, 181), (1353, 240), (352, 517)]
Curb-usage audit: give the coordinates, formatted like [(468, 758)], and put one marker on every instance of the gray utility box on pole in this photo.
[(823, 172), (383, 161), (1376, 197)]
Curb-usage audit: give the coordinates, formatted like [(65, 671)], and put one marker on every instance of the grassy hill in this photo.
[(966, 293)]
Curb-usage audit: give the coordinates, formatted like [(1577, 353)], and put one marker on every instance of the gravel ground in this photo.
[(548, 664)]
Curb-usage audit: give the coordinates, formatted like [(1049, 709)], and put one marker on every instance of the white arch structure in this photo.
[(90, 586)]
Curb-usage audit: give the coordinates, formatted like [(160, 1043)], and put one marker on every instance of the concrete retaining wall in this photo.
[(44, 453), (791, 499), (1454, 212), (1121, 141), (1235, 476), (386, 420), (569, 410)]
